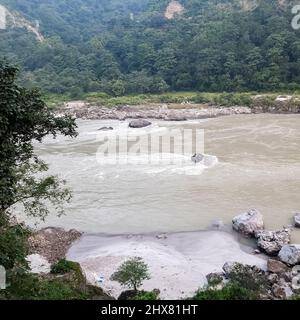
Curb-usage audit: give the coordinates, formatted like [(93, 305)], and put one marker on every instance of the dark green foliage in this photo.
[(24, 117), (224, 99), (27, 286), (66, 283), (215, 281), (231, 291), (13, 244), (132, 273), (130, 47), (146, 296), (64, 266), (244, 283)]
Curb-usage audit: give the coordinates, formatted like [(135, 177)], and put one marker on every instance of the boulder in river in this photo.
[(106, 129), (248, 223), (297, 220), (175, 117), (290, 254), (139, 123), (198, 157), (271, 242), (217, 225)]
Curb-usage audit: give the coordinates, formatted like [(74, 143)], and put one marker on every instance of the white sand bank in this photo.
[(178, 264)]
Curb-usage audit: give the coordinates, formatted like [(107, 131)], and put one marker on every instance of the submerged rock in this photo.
[(106, 129), (162, 236), (271, 242), (297, 220), (217, 225), (140, 123), (290, 254), (248, 223), (198, 157)]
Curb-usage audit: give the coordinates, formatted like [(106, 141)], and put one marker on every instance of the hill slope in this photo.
[(141, 46)]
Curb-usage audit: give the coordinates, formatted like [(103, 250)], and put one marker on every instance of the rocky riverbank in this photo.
[(52, 243), (180, 263), (167, 112), (283, 268), (179, 112)]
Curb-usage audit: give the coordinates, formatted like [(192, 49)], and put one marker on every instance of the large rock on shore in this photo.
[(271, 242), (139, 123), (290, 254), (52, 243), (276, 266), (248, 223), (297, 220)]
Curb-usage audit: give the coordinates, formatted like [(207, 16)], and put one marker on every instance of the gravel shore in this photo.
[(168, 112)]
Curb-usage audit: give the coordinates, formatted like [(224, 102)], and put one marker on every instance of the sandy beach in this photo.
[(178, 263)]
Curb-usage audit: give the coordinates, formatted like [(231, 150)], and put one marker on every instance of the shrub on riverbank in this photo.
[(224, 99), (146, 296), (231, 291), (243, 282), (27, 286), (264, 102), (64, 266), (13, 243)]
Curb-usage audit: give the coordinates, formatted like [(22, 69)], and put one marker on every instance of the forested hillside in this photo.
[(133, 46)]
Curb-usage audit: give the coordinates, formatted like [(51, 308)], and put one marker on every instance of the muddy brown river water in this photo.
[(258, 167)]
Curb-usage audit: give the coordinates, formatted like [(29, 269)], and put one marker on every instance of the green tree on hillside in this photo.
[(93, 45)]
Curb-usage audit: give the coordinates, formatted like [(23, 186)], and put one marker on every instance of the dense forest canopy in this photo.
[(129, 46)]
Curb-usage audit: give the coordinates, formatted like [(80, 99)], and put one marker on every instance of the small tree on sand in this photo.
[(132, 273)]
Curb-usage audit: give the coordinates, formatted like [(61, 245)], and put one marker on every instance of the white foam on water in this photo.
[(123, 131), (166, 163)]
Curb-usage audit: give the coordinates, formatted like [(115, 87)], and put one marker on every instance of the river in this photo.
[(258, 167)]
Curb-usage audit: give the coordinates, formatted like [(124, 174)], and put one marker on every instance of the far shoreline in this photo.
[(176, 106)]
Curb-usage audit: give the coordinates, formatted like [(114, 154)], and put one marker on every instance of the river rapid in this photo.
[(255, 164)]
